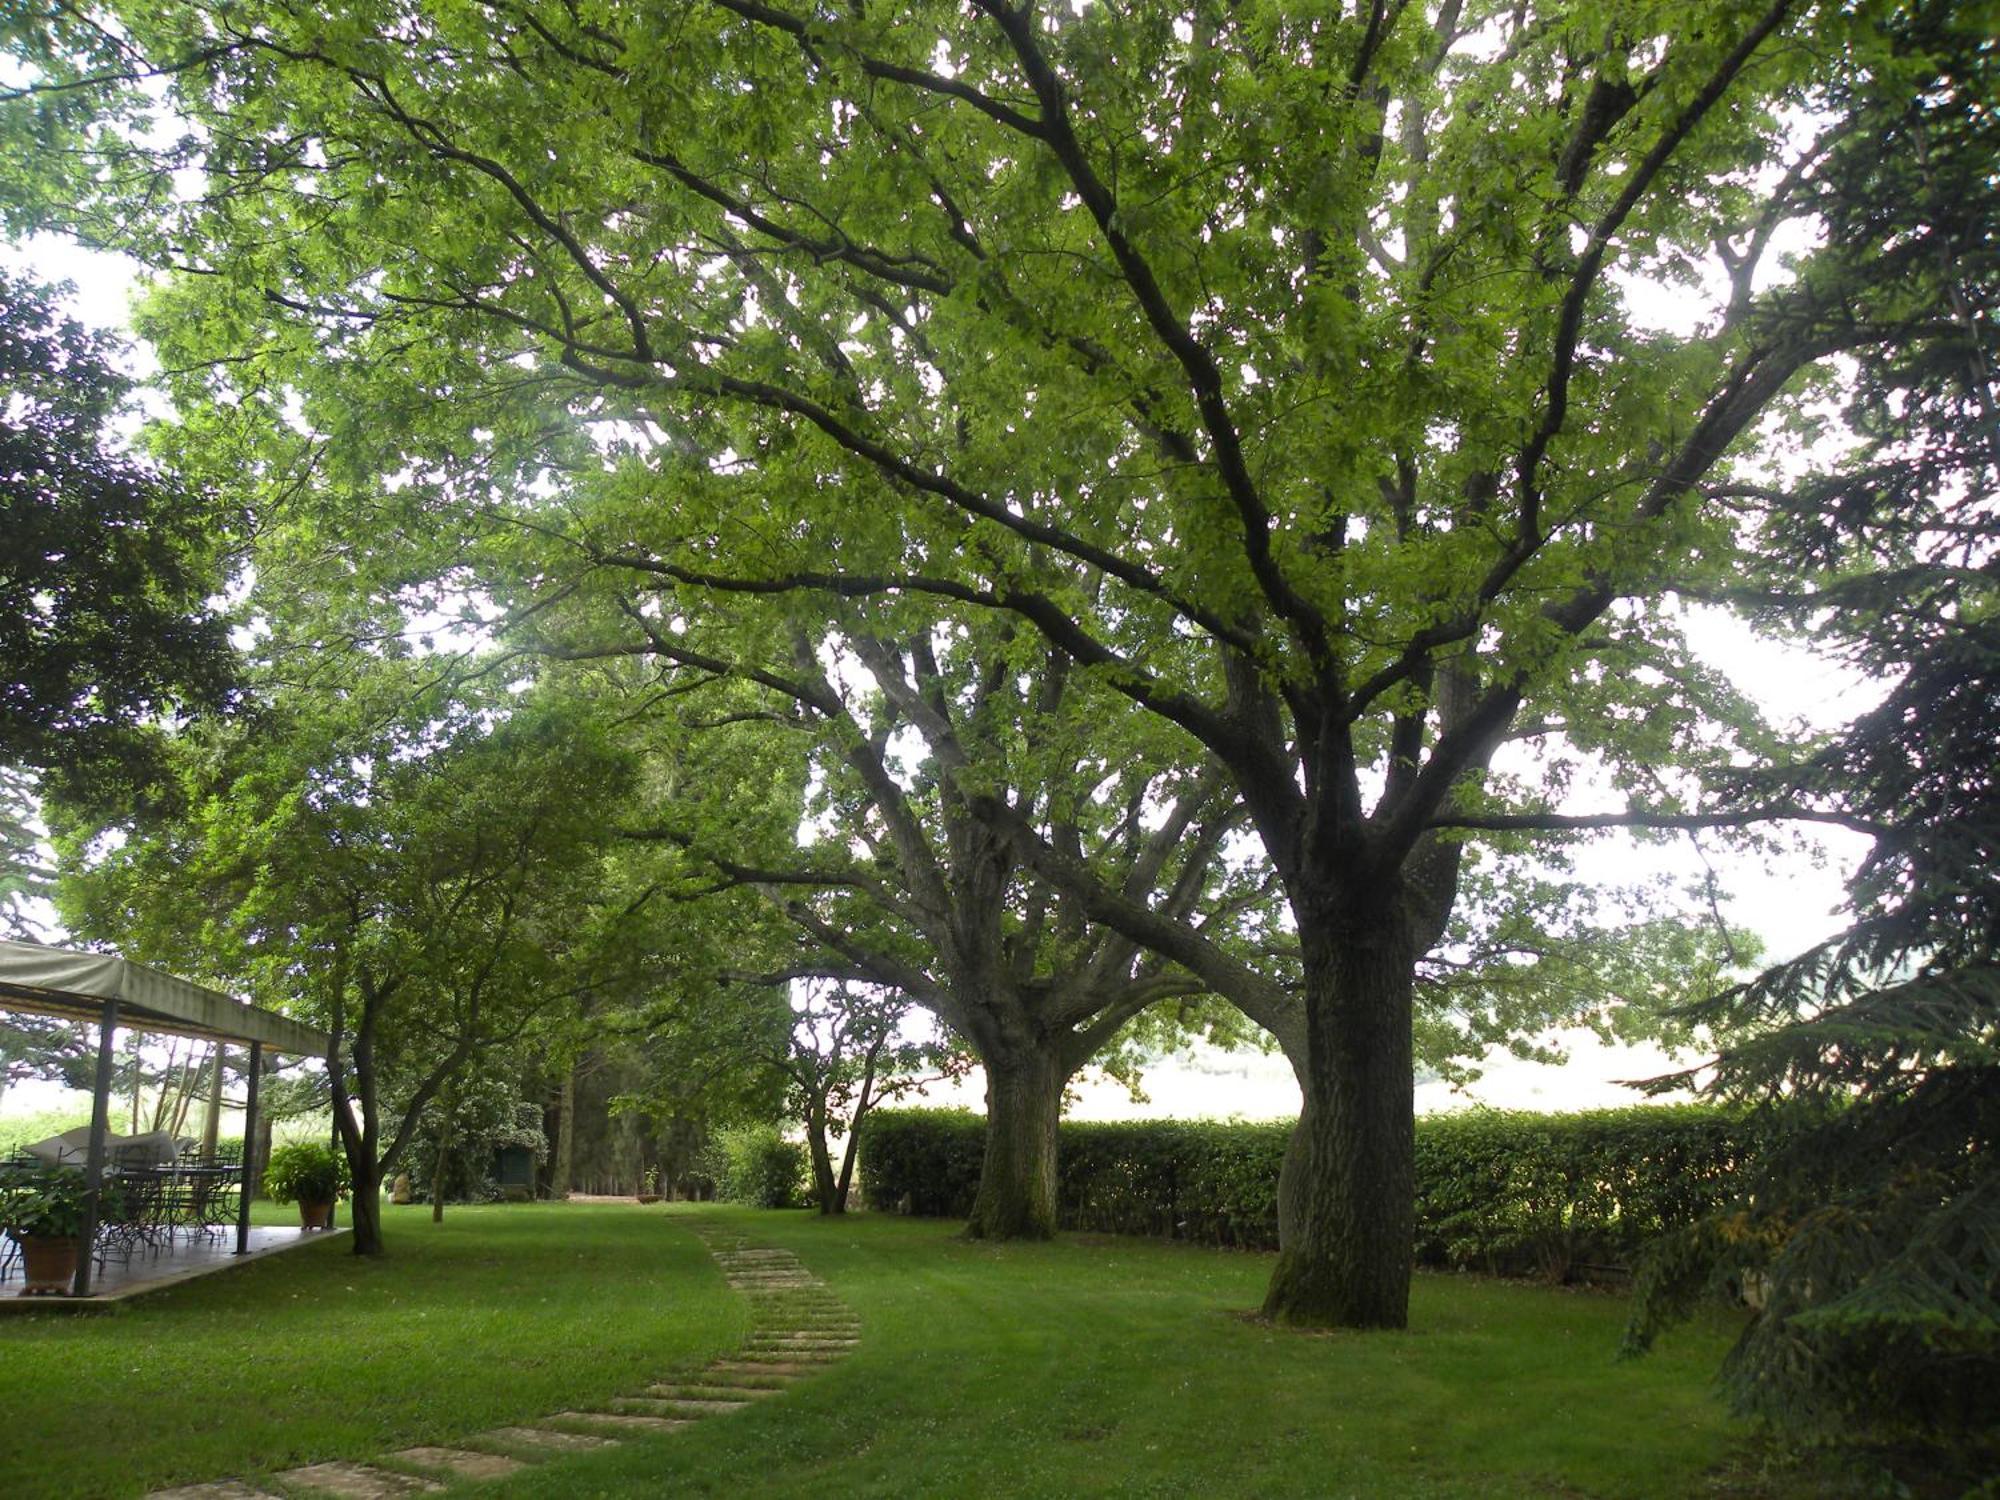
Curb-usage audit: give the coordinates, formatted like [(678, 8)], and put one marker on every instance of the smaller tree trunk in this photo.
[(262, 1146), (826, 1190), (211, 1125), (565, 1164), (367, 1208), (1017, 1178), (437, 1175)]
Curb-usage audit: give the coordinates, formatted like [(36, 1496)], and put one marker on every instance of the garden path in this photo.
[(800, 1328)]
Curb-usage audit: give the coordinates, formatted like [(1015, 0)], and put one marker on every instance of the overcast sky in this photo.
[(1789, 906)]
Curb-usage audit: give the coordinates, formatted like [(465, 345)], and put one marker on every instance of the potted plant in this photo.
[(309, 1173), (42, 1211), (649, 1190)]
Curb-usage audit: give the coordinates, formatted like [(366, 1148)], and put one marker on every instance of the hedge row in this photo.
[(1505, 1192)]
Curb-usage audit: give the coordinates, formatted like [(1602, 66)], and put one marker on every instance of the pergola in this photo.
[(113, 992)]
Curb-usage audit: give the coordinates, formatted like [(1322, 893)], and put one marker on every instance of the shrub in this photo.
[(305, 1172), (1504, 1192), (41, 1202), (763, 1169)]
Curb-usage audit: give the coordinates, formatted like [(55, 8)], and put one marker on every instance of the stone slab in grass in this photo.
[(462, 1462), (690, 1406), (765, 1367), (650, 1406), (222, 1489), (717, 1393), (618, 1421), (354, 1482), (541, 1437)]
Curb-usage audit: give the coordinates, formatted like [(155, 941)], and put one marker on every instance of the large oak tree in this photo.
[(1280, 365)]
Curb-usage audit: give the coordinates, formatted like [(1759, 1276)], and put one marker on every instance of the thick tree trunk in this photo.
[(1017, 1180), (1293, 1172), (1347, 1260)]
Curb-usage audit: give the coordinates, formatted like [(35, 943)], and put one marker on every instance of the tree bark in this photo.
[(565, 1167), (1295, 1170), (1017, 1179), (826, 1189), (437, 1174), (211, 1124), (367, 1207), (1347, 1260)]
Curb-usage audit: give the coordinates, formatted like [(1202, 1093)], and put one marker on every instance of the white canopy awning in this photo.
[(62, 982)]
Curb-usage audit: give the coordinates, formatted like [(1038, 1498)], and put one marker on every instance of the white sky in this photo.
[(1789, 908)]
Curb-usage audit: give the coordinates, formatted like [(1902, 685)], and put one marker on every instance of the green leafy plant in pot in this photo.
[(310, 1174), (42, 1210)]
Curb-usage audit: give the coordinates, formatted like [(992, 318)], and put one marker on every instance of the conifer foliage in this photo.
[(1873, 1241)]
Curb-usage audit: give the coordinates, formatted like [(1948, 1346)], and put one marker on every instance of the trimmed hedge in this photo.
[(1505, 1192)]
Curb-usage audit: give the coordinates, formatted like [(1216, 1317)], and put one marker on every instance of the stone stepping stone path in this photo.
[(801, 1328)]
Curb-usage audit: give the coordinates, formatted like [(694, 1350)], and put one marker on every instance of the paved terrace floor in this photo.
[(189, 1257)]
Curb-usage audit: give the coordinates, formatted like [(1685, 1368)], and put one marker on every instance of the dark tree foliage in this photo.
[(106, 563), (1873, 1240)]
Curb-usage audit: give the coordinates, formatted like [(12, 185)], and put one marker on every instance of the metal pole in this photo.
[(93, 1172), (249, 1148)]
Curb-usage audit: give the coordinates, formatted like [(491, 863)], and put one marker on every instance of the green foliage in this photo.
[(1497, 1191), (305, 1172), (103, 620), (44, 1201), (1274, 374), (761, 1168), (1521, 1193), (1874, 1234), (925, 1159), (17, 1131), (475, 1115)]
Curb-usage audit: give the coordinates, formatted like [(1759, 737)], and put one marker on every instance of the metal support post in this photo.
[(93, 1172), (249, 1147)]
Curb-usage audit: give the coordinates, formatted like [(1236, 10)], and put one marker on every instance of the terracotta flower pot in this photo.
[(314, 1215), (48, 1264)]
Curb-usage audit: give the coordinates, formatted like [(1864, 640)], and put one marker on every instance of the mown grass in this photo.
[(1091, 1366), (497, 1315), (1125, 1367)]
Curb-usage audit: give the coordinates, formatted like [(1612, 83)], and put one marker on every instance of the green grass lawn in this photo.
[(496, 1315), (1124, 1367), (1084, 1367)]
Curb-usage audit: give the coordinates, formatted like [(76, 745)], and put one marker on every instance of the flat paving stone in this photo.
[(764, 1367), (652, 1406), (692, 1406), (222, 1489), (461, 1461), (801, 1345), (542, 1437), (701, 1393), (618, 1421), (355, 1481)]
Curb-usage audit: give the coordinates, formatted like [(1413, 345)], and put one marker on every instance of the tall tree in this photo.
[(903, 887), (1305, 339), (1874, 1228), (104, 624), (420, 877)]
